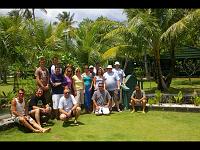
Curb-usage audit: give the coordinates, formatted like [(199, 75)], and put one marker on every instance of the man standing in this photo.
[(121, 75), (138, 96), (112, 84), (101, 100), (42, 79), (68, 107), (58, 83)]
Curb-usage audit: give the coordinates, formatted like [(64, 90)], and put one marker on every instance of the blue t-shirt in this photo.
[(58, 79)]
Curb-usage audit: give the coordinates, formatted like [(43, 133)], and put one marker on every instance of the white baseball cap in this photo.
[(91, 66), (109, 67), (117, 63)]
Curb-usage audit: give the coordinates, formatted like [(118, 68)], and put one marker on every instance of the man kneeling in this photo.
[(68, 107), (101, 99), (138, 96)]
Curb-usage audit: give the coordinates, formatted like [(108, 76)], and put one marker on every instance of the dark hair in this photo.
[(137, 85), (57, 66), (21, 90)]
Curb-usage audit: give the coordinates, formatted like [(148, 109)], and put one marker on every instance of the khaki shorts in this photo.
[(16, 119)]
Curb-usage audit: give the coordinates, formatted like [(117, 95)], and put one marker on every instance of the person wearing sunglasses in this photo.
[(20, 114), (68, 107), (101, 100)]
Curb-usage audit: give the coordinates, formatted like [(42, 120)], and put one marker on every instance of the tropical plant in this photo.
[(179, 97), (163, 28), (158, 96)]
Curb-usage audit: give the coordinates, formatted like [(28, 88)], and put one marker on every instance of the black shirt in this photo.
[(36, 101)]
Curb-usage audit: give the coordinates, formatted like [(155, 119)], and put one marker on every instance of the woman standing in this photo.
[(78, 87), (68, 76), (87, 88)]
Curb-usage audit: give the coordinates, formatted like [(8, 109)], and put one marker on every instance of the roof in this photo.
[(183, 52)]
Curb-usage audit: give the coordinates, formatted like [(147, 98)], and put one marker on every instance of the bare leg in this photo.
[(36, 114), (37, 126), (116, 100), (143, 105), (133, 105), (77, 114), (24, 122)]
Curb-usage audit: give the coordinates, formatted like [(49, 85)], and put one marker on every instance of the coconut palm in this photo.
[(171, 23)]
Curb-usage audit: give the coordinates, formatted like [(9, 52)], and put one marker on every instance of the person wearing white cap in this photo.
[(121, 75), (112, 85), (120, 72)]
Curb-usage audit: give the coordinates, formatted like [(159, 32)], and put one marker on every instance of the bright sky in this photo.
[(79, 14)]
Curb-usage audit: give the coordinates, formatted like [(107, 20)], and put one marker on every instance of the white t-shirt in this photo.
[(67, 103), (120, 73), (111, 80)]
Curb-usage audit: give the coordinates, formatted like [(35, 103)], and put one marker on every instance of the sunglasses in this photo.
[(21, 93), (66, 92)]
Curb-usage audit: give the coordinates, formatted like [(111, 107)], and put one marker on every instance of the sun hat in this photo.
[(117, 63), (109, 67), (91, 66)]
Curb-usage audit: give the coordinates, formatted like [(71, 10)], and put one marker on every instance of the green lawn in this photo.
[(178, 84), (125, 126)]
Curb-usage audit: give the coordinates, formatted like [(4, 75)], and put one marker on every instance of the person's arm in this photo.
[(26, 108), (73, 78), (62, 111), (94, 81), (143, 96), (108, 99), (133, 96), (74, 107), (14, 108)]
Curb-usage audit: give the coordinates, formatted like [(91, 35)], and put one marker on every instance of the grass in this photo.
[(178, 84), (125, 126)]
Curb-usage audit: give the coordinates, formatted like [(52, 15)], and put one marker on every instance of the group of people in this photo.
[(63, 94)]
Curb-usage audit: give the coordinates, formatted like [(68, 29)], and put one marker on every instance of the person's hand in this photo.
[(57, 84), (75, 93), (45, 88), (97, 107)]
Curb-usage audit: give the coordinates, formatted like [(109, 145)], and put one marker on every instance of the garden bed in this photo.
[(174, 107)]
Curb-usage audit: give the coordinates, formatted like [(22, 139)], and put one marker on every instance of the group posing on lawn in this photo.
[(62, 94)]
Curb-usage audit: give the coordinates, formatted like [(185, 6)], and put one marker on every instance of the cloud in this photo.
[(79, 14)]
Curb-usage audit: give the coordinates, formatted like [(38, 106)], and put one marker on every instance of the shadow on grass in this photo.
[(49, 123), (71, 123)]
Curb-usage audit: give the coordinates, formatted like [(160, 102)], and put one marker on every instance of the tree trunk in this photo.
[(172, 65), (125, 64), (145, 64), (4, 72), (159, 77)]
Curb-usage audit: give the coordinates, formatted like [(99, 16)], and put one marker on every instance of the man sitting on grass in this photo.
[(68, 107), (138, 96), (101, 100), (38, 108), (20, 114)]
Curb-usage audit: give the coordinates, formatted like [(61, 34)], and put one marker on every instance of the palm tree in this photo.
[(66, 17), (26, 13), (166, 29)]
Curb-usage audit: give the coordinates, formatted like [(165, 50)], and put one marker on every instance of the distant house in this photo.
[(181, 54)]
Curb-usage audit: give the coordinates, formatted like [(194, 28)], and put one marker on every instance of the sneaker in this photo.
[(76, 123), (143, 112), (133, 111), (119, 110)]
